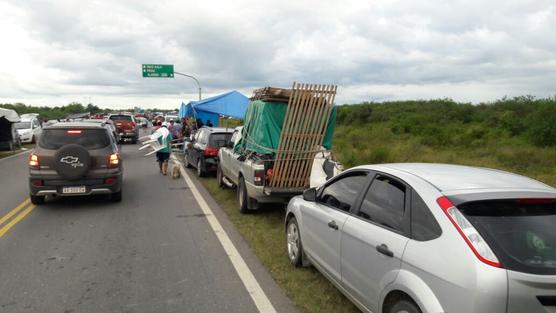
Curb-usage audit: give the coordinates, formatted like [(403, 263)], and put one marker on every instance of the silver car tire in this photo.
[(404, 306), (293, 242)]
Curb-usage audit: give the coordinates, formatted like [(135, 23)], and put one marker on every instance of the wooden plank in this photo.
[(296, 179), (285, 126), (329, 103), (307, 116), (290, 143)]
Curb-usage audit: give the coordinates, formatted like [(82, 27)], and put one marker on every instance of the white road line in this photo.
[(253, 288), (15, 155)]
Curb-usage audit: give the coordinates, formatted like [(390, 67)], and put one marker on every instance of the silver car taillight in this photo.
[(475, 241)]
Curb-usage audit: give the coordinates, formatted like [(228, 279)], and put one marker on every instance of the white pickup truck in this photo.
[(250, 173)]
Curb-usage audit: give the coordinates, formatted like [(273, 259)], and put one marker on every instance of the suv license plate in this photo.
[(78, 189)]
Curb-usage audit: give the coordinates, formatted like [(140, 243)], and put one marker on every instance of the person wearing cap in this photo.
[(175, 129)]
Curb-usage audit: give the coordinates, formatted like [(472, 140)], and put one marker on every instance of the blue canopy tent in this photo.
[(233, 104)]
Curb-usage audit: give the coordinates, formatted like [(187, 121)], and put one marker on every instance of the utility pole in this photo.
[(195, 79)]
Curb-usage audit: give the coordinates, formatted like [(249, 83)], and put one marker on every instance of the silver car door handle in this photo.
[(333, 225), (384, 250)]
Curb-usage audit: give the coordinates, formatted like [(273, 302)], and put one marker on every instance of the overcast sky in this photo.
[(55, 52)]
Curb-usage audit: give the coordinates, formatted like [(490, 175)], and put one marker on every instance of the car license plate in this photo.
[(76, 189)]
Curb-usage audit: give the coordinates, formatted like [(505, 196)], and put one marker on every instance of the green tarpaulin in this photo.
[(263, 126)]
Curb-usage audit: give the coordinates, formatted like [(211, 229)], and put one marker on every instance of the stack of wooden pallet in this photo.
[(272, 94), (305, 124)]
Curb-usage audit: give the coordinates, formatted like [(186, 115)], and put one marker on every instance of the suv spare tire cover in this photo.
[(72, 161)]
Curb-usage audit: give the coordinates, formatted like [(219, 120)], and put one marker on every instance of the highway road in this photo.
[(167, 247)]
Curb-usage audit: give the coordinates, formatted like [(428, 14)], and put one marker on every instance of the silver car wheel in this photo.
[(293, 242)]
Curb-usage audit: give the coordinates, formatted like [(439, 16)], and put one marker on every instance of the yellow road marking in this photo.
[(16, 219), (14, 211)]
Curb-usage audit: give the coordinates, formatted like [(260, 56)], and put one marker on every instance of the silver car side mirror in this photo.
[(310, 195)]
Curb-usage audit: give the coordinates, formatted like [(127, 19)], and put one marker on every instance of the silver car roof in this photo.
[(449, 178)]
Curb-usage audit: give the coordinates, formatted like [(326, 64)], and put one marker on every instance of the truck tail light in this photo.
[(211, 152), (113, 160), (258, 178), (471, 236), (34, 162)]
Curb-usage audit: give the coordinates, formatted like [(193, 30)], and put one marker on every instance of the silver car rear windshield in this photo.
[(89, 138), (521, 232)]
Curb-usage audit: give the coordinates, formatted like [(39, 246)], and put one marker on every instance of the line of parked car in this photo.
[(412, 238)]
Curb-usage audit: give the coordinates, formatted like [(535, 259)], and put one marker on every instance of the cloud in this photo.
[(374, 50)]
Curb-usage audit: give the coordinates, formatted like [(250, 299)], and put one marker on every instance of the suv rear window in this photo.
[(88, 138), (219, 140), (120, 117), (520, 232)]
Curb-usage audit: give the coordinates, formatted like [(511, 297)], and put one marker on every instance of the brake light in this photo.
[(211, 152), (258, 178), (34, 162), (471, 236), (73, 131), (113, 160), (37, 182)]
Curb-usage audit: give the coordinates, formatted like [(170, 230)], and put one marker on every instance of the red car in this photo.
[(126, 127)]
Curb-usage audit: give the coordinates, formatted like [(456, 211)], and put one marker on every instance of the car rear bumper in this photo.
[(92, 186)]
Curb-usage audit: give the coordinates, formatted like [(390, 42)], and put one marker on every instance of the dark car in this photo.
[(126, 127), (73, 159), (202, 151)]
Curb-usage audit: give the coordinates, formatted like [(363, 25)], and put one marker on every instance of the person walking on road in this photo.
[(163, 155)]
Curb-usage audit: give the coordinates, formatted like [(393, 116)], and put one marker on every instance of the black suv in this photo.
[(202, 151), (74, 159)]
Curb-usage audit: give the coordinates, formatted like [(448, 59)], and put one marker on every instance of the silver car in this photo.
[(430, 238)]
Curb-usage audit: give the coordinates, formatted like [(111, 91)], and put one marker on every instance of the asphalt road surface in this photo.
[(153, 252)]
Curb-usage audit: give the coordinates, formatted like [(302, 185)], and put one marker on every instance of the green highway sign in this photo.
[(158, 70)]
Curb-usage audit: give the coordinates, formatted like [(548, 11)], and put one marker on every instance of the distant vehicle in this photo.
[(75, 158), (29, 129), (108, 124), (9, 137), (175, 118), (143, 122), (30, 115), (202, 151), (126, 127), (50, 122), (418, 238)]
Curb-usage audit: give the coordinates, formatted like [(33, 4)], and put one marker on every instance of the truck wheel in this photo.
[(37, 199), (242, 198), (220, 177)]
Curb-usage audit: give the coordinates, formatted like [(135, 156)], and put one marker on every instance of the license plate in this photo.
[(77, 189)]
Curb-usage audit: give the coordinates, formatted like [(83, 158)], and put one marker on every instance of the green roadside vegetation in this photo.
[(517, 135)]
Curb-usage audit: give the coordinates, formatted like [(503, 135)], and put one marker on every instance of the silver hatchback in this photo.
[(430, 238)]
